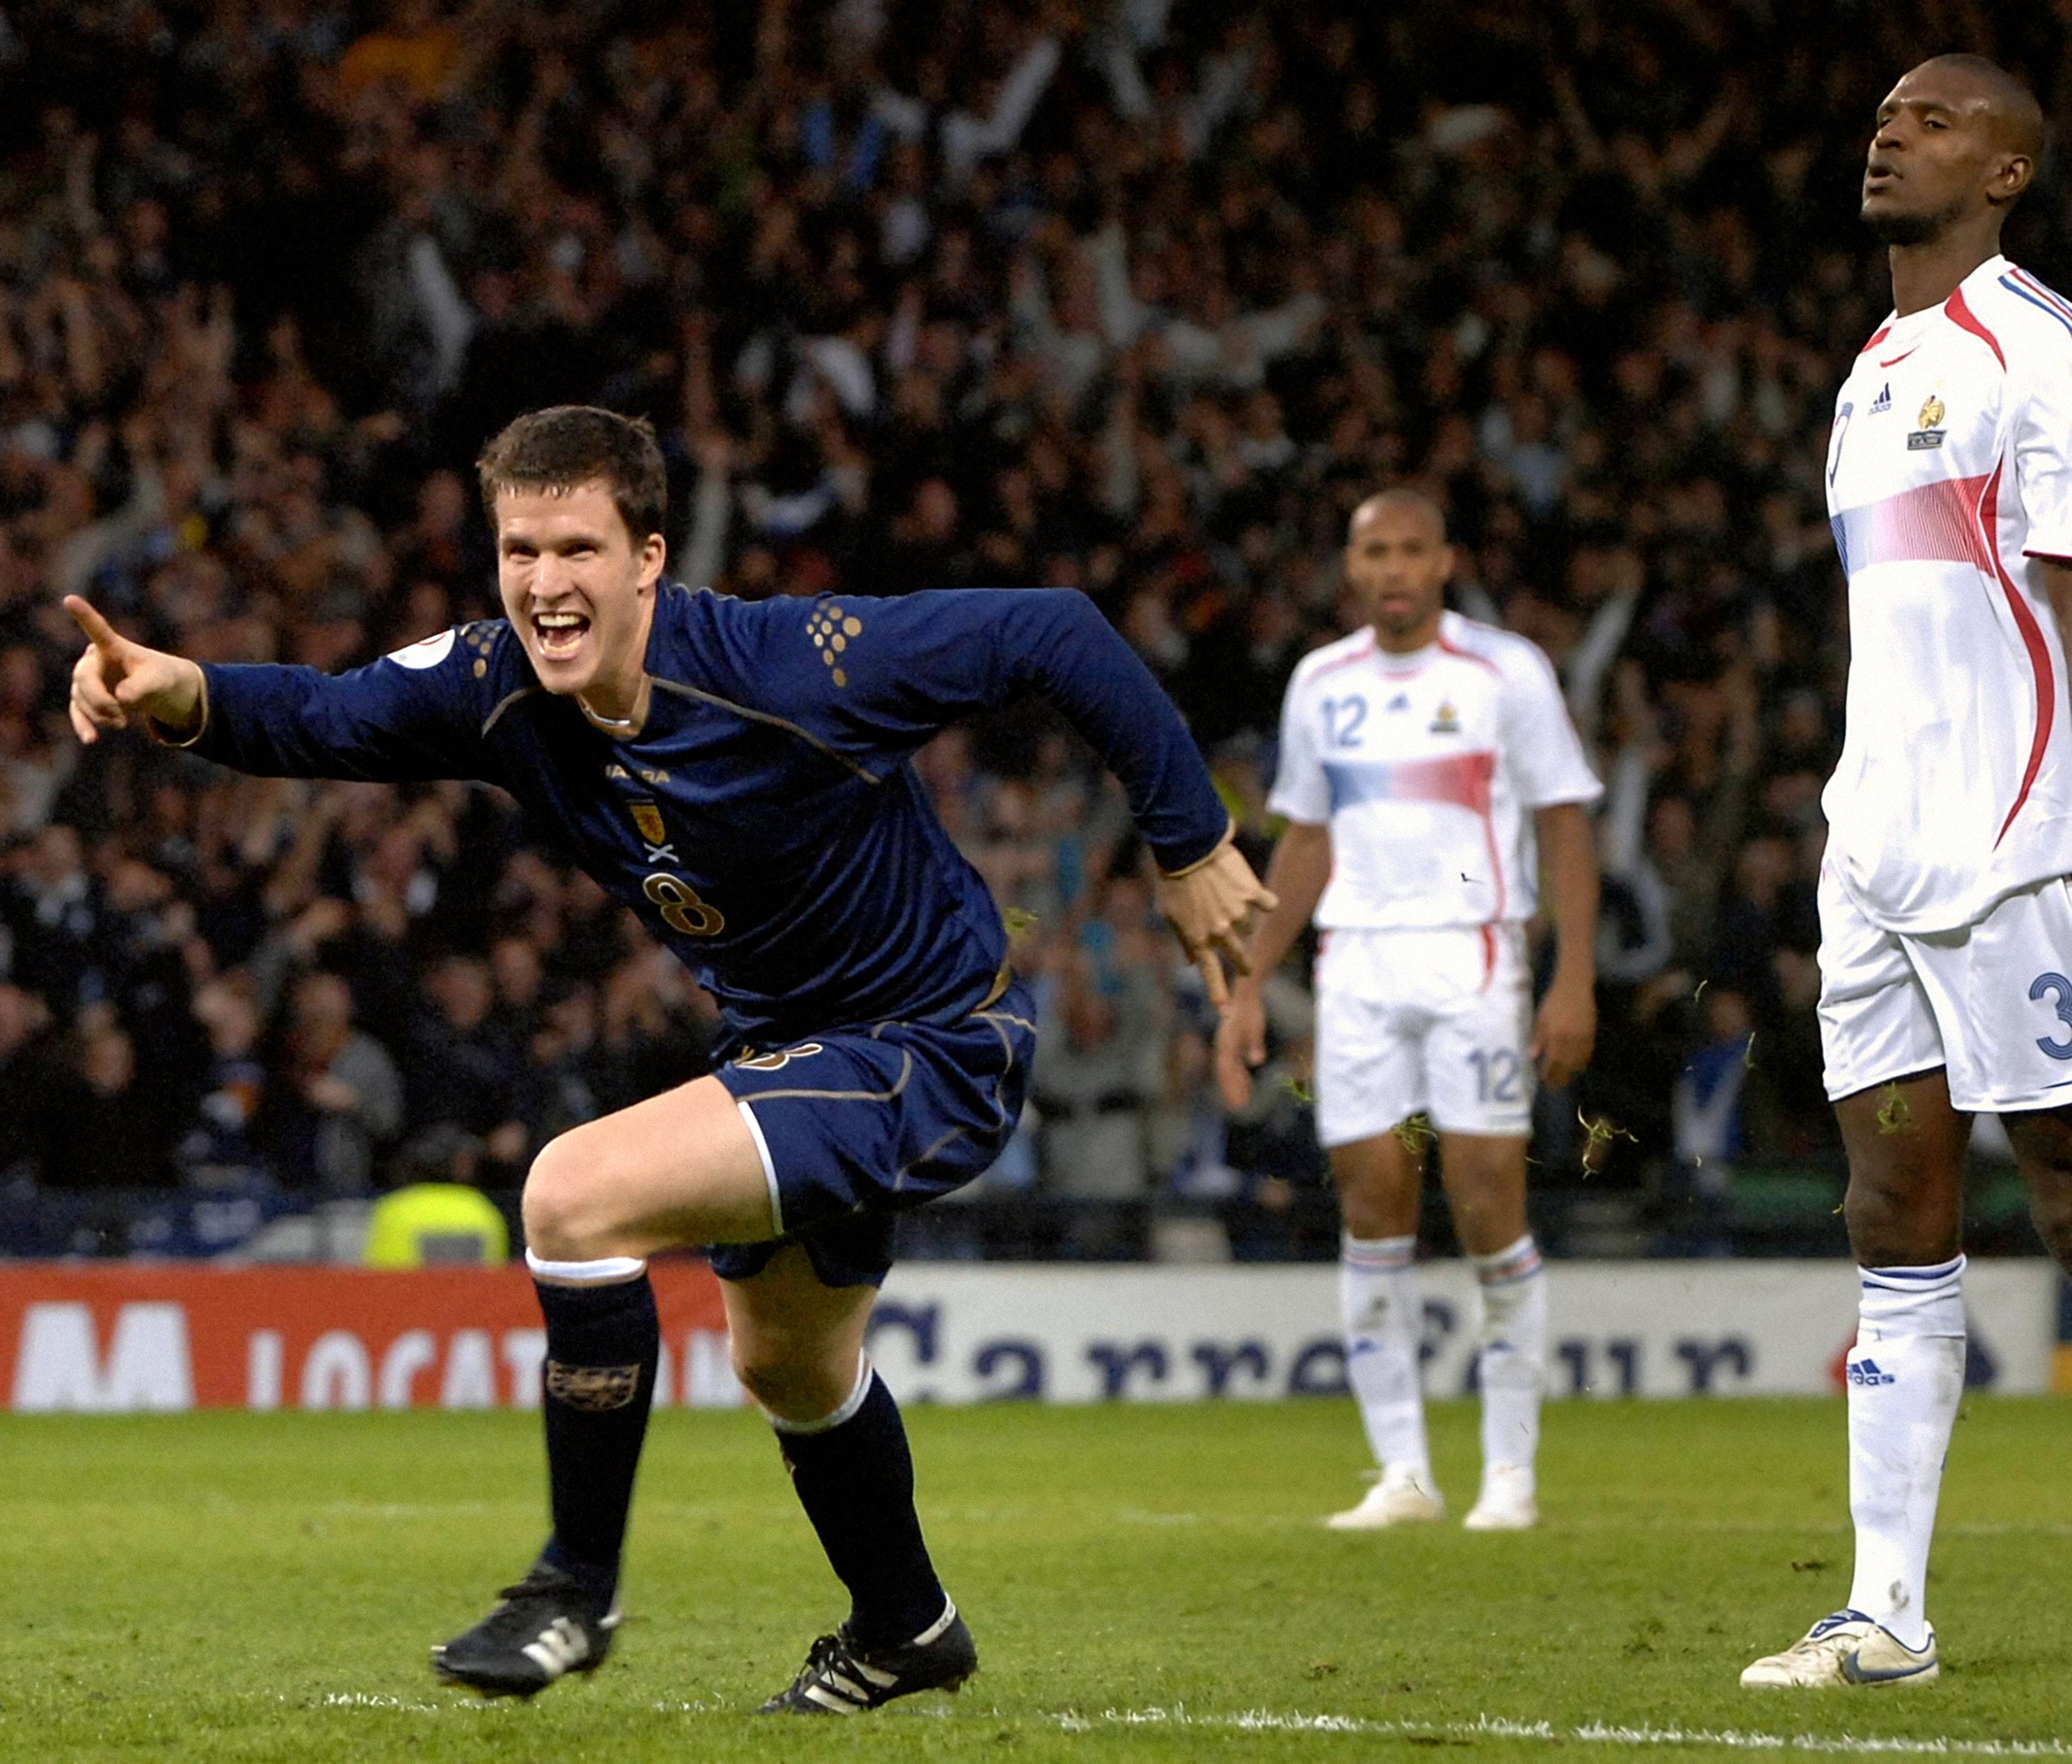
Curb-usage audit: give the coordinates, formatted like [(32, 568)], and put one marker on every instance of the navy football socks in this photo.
[(855, 1478), (602, 1345)]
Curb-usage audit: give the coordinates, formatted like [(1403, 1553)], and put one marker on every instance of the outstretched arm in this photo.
[(415, 715)]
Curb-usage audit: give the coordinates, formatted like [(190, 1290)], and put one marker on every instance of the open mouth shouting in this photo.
[(559, 635)]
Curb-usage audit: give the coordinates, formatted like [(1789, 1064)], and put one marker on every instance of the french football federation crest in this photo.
[(1448, 721), (1931, 432), (592, 1387)]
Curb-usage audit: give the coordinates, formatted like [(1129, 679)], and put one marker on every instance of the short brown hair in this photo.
[(568, 444)]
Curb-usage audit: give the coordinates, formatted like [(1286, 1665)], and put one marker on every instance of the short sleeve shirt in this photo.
[(1949, 478), (1427, 767)]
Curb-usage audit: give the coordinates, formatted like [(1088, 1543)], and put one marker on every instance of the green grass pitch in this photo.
[(1144, 1583)]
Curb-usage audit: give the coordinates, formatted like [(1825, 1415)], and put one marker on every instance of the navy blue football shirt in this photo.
[(765, 824)]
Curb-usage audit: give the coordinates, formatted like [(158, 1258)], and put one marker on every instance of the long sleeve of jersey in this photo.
[(905, 667), (415, 715)]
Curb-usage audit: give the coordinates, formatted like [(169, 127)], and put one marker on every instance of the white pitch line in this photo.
[(1589, 1732)]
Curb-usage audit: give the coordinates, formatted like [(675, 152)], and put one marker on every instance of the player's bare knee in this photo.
[(563, 1221), (1896, 1224), (792, 1385)]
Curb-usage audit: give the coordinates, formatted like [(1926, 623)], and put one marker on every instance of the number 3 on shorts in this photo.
[(1496, 1071), (2055, 985)]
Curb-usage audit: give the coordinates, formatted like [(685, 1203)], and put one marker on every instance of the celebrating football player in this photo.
[(737, 774)]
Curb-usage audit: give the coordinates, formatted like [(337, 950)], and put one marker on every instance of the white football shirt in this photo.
[(1949, 475), (1426, 767)]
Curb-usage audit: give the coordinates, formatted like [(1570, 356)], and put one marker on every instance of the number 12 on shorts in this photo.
[(1496, 1075)]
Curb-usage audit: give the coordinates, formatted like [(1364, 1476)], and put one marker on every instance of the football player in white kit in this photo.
[(1419, 758), (1945, 920)]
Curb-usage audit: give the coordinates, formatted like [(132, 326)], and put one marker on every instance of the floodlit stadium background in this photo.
[(1136, 298)]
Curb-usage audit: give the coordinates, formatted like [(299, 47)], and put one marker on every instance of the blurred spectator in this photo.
[(218, 1149), (1096, 1071), (343, 1101), (436, 1214), (102, 1126)]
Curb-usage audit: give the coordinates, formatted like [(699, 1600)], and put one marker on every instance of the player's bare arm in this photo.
[(2056, 573), (1295, 878), (1566, 1027), (116, 677)]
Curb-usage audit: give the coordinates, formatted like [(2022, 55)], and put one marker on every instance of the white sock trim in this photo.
[(847, 1412), (769, 1168), (606, 1271), (1913, 1280), (1517, 1261), (1377, 1255)]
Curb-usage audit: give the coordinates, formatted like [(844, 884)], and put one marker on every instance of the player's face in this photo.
[(578, 591), (1935, 157), (1398, 561)]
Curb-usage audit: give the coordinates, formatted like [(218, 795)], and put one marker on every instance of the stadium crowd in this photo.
[(1135, 296)]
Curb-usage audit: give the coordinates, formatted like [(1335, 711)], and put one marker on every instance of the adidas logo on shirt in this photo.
[(1401, 702), (1865, 1371), (1883, 401)]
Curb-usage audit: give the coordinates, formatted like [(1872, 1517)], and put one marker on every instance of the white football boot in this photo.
[(1400, 1498), (1507, 1502), (1845, 1648)]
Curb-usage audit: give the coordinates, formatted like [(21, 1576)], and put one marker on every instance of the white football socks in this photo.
[(1384, 1325), (1906, 1377), (1513, 1369)]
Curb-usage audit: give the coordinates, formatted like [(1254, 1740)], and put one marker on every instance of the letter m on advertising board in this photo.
[(59, 1364)]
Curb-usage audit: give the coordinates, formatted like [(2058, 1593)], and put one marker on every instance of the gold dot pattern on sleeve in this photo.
[(831, 630), (481, 668)]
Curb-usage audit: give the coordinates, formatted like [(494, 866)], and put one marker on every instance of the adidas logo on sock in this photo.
[(1866, 1371)]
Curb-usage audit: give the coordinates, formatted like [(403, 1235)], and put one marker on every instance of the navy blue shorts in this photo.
[(859, 1125)]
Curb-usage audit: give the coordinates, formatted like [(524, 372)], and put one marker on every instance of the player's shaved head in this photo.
[(1397, 562), (2010, 106), (1957, 143), (1401, 501)]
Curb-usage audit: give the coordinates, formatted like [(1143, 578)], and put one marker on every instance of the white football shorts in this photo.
[(1430, 1021), (1991, 1002)]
